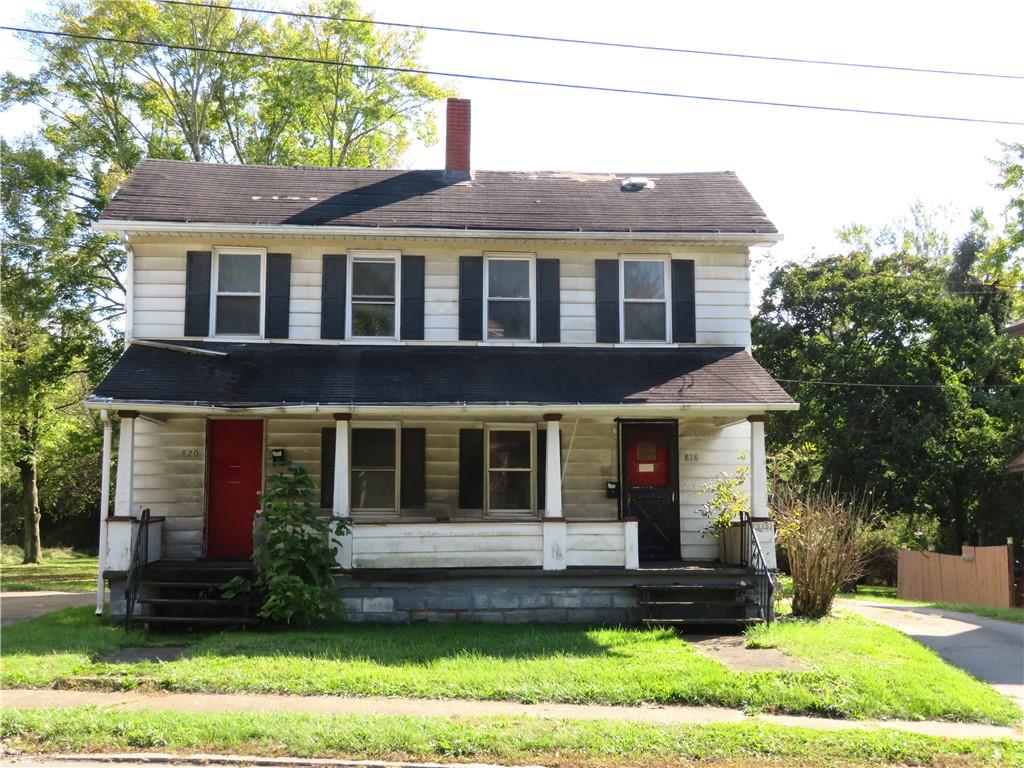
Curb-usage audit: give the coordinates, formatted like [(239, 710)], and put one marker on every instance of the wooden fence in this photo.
[(980, 576)]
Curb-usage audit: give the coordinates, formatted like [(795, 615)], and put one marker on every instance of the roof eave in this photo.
[(127, 228)]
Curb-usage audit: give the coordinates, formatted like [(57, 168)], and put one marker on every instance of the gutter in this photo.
[(421, 409), (123, 227)]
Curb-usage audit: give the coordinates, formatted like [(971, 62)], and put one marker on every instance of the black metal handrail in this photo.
[(140, 556), (752, 557)]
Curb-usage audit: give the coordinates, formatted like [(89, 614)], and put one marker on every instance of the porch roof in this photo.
[(242, 375)]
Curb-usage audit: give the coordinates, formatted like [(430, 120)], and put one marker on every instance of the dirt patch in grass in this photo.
[(733, 652)]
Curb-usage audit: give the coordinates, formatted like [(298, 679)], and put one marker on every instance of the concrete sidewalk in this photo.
[(990, 649), (18, 606), (374, 705)]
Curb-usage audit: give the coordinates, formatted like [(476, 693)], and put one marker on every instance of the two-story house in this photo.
[(516, 385)]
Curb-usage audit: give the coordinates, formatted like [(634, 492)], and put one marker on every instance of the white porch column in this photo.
[(555, 533), (764, 528), (342, 470), (125, 465), (758, 470), (104, 508)]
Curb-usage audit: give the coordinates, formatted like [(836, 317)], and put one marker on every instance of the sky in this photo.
[(812, 172)]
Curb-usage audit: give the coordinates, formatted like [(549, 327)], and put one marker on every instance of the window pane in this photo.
[(508, 320), (510, 449), (373, 319), (238, 273), (508, 279), (373, 489), (644, 322), (510, 490), (373, 279), (238, 314), (373, 448), (643, 279)]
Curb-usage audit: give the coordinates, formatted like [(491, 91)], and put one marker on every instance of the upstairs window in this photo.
[(510, 459), (373, 304), (508, 309), (644, 300), (238, 291)]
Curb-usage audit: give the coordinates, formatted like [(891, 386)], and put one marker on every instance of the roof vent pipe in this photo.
[(456, 151)]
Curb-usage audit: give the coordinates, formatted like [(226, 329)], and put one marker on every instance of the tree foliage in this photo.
[(908, 390)]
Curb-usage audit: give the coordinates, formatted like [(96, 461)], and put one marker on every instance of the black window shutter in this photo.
[(412, 297), (279, 290), (684, 301), (471, 469), (197, 293), (414, 468), (333, 297), (327, 435), (606, 292), (548, 301), (471, 298)]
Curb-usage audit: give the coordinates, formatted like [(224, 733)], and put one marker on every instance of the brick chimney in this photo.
[(456, 150)]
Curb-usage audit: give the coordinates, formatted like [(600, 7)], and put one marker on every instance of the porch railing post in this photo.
[(104, 508), (554, 530), (125, 465), (342, 468)]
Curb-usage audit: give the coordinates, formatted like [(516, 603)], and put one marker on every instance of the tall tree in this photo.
[(907, 388), (49, 340)]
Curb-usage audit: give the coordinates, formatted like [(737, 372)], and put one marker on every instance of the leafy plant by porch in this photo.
[(511, 741), (293, 553), (857, 669)]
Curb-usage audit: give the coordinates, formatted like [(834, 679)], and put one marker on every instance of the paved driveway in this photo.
[(990, 649), (18, 606)]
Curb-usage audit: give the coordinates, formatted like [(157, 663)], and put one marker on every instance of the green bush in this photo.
[(294, 554)]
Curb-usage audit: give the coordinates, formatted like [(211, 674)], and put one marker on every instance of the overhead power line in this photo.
[(598, 43), (896, 386), (510, 80)]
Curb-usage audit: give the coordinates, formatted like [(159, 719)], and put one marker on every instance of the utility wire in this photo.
[(596, 43), (510, 80), (895, 386)]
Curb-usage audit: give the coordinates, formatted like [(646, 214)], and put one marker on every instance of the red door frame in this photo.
[(234, 473)]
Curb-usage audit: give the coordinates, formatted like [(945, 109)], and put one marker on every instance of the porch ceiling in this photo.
[(210, 374)]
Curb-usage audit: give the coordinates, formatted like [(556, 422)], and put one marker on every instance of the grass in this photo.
[(63, 570), (880, 594), (508, 740), (858, 669)]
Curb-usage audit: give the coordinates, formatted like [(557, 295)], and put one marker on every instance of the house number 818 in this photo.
[(690, 457)]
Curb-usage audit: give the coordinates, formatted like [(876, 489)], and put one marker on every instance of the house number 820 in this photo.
[(190, 453)]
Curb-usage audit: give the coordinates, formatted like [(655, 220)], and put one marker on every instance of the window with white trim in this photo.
[(374, 459), (373, 295), (643, 289), (509, 296), (238, 280), (510, 457)]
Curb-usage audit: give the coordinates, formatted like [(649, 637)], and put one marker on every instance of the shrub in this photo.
[(827, 538), (293, 553)]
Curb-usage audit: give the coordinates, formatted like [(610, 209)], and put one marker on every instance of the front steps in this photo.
[(177, 595), (697, 605)]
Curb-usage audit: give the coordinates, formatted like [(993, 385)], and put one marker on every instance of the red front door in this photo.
[(649, 487), (235, 481)]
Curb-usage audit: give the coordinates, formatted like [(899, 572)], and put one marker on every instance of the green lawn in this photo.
[(61, 570), (859, 669), (516, 741), (888, 595)]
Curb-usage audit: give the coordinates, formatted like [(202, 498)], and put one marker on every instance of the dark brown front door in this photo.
[(650, 483), (235, 478)]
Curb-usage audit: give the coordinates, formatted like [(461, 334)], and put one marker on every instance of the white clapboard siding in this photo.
[(595, 544), (447, 544), (721, 276), (718, 452), (170, 480)]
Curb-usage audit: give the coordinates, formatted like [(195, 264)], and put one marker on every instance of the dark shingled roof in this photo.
[(293, 374), (176, 191)]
